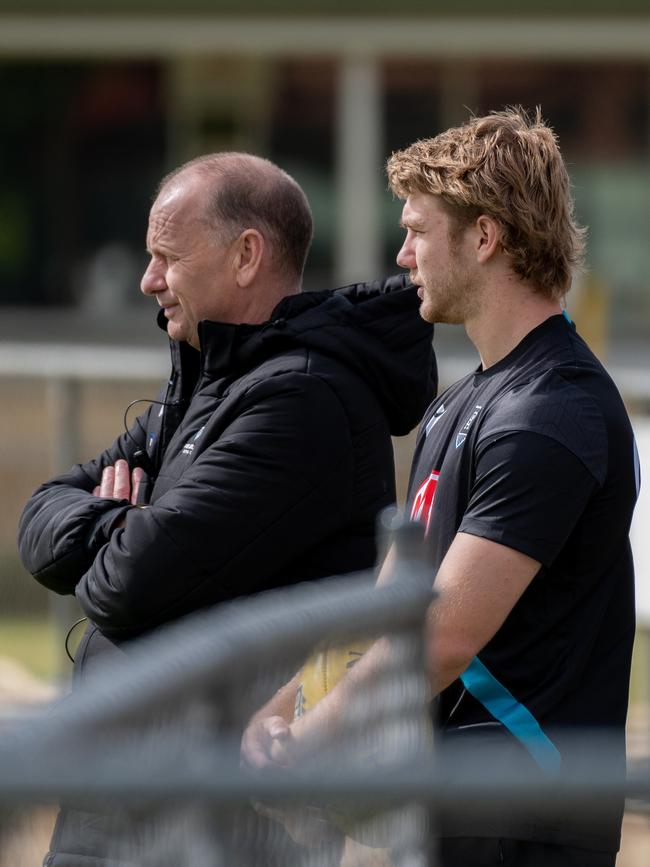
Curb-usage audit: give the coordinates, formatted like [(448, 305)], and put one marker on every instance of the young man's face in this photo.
[(439, 261)]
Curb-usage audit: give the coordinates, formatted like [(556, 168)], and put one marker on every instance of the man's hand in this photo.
[(119, 483), (267, 743)]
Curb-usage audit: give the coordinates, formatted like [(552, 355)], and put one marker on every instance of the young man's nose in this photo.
[(405, 257)]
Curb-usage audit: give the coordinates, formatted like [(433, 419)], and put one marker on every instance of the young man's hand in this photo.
[(267, 743)]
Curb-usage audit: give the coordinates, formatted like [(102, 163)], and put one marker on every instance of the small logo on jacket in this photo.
[(461, 436), (188, 448), (435, 418)]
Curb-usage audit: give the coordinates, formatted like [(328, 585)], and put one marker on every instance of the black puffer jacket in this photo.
[(272, 458)]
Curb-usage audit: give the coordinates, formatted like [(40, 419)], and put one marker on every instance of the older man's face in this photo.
[(190, 272)]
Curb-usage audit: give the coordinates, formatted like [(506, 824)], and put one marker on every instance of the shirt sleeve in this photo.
[(528, 493)]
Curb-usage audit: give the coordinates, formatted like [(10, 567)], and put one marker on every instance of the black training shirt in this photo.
[(537, 453)]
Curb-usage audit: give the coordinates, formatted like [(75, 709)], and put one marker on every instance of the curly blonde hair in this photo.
[(508, 165)]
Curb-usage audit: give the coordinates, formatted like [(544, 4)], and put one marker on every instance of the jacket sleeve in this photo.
[(63, 525), (273, 483)]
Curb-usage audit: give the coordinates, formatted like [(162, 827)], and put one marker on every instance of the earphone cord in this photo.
[(133, 403), (67, 638)]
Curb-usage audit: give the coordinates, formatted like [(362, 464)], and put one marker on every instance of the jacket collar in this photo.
[(372, 329), (226, 348)]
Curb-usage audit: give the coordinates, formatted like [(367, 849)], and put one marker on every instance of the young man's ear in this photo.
[(249, 252), (488, 238)]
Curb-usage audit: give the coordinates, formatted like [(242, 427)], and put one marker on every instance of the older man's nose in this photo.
[(153, 279)]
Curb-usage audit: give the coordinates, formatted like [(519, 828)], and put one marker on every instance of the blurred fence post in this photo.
[(359, 157), (63, 398), (63, 404)]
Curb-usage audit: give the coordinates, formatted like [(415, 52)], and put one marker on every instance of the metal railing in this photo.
[(57, 755), (157, 733), (160, 729)]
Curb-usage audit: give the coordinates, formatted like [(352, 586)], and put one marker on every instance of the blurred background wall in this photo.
[(99, 100)]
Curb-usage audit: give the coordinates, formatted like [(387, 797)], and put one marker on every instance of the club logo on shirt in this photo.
[(461, 436), (188, 448), (423, 500), (435, 418)]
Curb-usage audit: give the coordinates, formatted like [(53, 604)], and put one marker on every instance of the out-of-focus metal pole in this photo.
[(359, 171), (459, 93), (63, 402), (409, 654), (63, 396)]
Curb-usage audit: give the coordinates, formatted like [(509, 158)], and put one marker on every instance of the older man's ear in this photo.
[(248, 256)]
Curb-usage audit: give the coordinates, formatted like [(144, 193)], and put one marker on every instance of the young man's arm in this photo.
[(478, 584), (529, 493)]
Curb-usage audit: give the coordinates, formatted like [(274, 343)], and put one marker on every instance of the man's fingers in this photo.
[(278, 728), (254, 746), (255, 758), (122, 485), (258, 751), (280, 750), (107, 483), (254, 752), (116, 482), (119, 483), (136, 477)]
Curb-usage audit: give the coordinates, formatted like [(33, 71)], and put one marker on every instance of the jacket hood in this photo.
[(373, 328), (376, 330)]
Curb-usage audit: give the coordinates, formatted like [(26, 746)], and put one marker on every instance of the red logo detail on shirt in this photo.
[(423, 501)]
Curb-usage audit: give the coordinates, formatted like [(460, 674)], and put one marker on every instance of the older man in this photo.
[(266, 456)]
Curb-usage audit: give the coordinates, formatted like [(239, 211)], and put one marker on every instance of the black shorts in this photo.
[(495, 852)]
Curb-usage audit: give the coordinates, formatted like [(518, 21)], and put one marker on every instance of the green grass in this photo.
[(33, 643)]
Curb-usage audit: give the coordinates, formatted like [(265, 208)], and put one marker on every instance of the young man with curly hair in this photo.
[(525, 479)]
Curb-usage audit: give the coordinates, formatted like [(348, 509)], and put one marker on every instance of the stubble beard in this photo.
[(453, 301)]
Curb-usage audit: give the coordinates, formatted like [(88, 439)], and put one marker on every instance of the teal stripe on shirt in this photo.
[(504, 707)]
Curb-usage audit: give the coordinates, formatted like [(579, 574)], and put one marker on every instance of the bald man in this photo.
[(266, 456)]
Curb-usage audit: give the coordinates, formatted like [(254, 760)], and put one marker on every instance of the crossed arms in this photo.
[(227, 525)]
